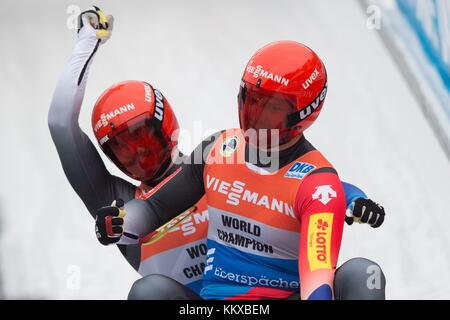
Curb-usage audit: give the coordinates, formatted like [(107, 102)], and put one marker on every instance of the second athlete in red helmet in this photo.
[(283, 88), (272, 234), (136, 128)]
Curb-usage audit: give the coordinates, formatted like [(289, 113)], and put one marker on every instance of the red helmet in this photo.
[(283, 87), (136, 128)]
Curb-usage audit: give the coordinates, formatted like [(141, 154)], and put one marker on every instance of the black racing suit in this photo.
[(80, 160), (350, 279)]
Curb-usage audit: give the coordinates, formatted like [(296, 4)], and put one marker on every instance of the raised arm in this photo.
[(79, 158)]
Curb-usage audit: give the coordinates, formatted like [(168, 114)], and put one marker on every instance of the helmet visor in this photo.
[(138, 149), (266, 112)]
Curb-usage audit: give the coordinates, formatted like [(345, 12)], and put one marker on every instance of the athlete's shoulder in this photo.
[(320, 188), (216, 139), (211, 139), (232, 131), (226, 134), (316, 159)]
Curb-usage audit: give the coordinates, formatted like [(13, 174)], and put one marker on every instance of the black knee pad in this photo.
[(159, 287), (144, 288), (359, 279)]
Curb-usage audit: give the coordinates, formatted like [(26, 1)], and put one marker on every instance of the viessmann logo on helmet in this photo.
[(105, 118), (259, 72)]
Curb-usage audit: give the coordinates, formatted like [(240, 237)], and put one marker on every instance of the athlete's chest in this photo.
[(253, 195), (250, 201)]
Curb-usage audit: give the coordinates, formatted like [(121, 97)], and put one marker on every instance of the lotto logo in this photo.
[(299, 170), (322, 225), (319, 241)]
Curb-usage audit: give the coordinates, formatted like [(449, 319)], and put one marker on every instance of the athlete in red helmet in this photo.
[(275, 227), (285, 98), (136, 127)]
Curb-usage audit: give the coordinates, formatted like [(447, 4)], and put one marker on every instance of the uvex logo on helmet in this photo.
[(148, 93), (159, 105), (310, 108), (259, 72), (311, 79)]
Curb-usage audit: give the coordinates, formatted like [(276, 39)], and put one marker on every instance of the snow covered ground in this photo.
[(372, 129)]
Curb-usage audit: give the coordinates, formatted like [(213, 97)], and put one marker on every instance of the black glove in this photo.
[(109, 223), (365, 211)]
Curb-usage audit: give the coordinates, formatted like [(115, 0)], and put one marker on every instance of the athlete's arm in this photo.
[(360, 208), (175, 194), (320, 207), (81, 163), (352, 193)]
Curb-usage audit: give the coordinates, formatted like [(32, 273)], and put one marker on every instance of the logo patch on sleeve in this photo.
[(299, 169), (229, 146), (319, 241)]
